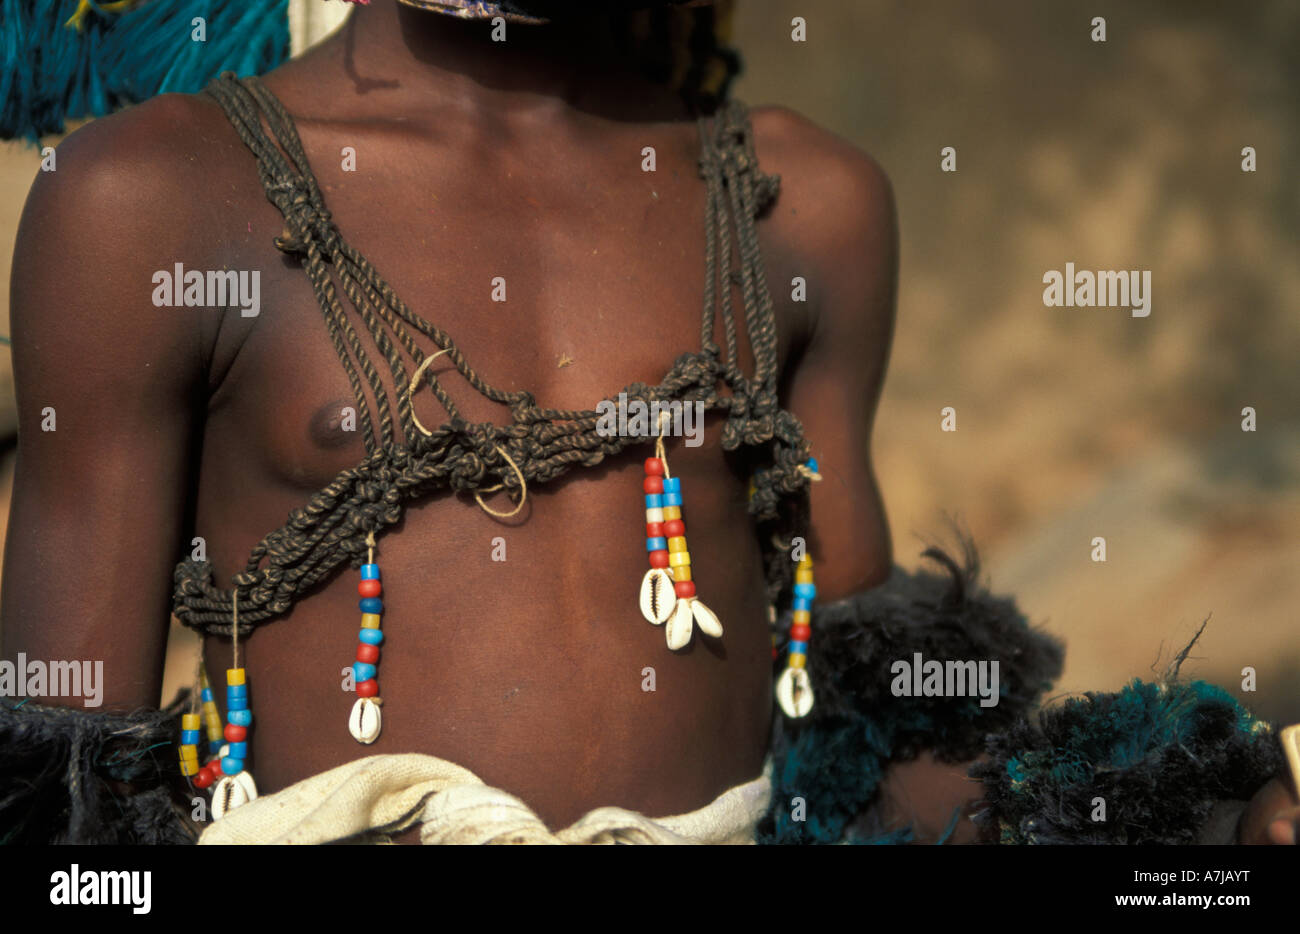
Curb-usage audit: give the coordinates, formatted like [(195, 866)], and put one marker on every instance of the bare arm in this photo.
[(106, 388), (840, 210)]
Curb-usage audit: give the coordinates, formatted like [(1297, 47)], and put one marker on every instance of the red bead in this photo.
[(775, 653), (659, 559), (204, 777), (653, 484), (684, 589), (236, 733), (800, 632), (369, 588), (367, 688), (367, 653), (654, 530), (654, 467), (674, 528)]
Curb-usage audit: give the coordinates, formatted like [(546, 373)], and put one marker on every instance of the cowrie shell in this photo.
[(794, 692), (365, 721), (706, 619), (680, 625), (245, 781), (657, 595), (228, 795)]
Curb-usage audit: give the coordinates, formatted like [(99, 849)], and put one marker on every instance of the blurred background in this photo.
[(1072, 423)]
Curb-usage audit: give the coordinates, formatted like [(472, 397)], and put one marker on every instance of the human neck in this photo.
[(579, 64)]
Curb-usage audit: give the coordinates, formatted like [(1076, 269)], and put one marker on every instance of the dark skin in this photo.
[(474, 160)]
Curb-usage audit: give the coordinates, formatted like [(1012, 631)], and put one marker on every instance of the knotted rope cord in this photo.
[(540, 444)]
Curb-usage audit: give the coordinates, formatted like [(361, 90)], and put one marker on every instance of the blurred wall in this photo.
[(1081, 422)]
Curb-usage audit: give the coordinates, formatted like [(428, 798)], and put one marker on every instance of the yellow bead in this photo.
[(189, 721), (803, 616), (370, 620), (190, 767), (234, 676), (803, 576), (681, 572), (677, 543), (672, 512), (796, 661), (678, 559), (805, 561)]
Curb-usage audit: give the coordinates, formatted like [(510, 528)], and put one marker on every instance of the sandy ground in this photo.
[(1072, 423)]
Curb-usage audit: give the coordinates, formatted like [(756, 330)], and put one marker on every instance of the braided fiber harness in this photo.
[(540, 444)]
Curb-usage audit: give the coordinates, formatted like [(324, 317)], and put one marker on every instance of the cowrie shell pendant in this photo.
[(231, 792), (657, 596), (794, 692), (366, 720)]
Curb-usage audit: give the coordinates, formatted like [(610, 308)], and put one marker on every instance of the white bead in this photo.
[(654, 515)]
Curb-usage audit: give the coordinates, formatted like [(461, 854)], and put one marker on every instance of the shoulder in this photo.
[(128, 194), (822, 173), (150, 159), (835, 210)]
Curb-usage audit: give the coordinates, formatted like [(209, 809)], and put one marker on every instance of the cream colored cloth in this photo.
[(373, 798)]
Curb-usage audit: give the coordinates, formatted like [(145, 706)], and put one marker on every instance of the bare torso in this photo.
[(528, 671)]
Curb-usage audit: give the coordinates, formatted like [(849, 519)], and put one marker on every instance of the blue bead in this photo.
[(240, 717), (812, 465), (654, 501), (214, 746), (372, 636), (236, 703), (238, 751), (236, 690), (370, 572), (672, 499), (372, 605), (232, 766), (807, 591), (656, 544), (672, 484), (189, 737), (801, 603), (798, 648), (206, 694), (363, 671)]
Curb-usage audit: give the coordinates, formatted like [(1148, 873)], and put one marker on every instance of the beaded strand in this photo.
[(670, 561), (794, 690), (236, 786), (365, 721)]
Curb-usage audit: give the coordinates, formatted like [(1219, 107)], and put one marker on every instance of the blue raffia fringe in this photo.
[(1162, 755), (51, 72)]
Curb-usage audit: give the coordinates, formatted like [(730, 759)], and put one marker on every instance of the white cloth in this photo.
[(371, 799)]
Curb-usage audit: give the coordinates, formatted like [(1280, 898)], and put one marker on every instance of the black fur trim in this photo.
[(78, 776)]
